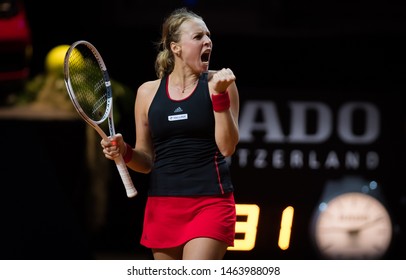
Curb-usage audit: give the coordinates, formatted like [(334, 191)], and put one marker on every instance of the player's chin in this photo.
[(204, 66)]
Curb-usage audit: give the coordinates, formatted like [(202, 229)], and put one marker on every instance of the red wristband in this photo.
[(221, 102), (128, 154)]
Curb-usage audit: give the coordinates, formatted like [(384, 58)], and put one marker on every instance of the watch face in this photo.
[(353, 226)]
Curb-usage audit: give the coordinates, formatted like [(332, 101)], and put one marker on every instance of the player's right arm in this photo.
[(143, 153)]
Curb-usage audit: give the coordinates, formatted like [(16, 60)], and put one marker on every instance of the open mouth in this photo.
[(205, 56)]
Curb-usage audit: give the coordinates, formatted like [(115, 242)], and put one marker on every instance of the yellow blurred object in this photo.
[(55, 59)]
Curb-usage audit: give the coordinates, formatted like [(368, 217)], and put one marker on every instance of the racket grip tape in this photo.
[(125, 176)]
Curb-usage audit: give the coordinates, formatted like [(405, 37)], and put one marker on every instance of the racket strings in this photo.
[(87, 80)]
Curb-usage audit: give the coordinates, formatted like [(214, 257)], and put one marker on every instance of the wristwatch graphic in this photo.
[(351, 221)]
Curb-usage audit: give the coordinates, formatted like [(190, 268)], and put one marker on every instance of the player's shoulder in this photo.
[(210, 74), (149, 87)]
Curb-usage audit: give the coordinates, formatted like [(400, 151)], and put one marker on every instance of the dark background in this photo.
[(332, 51), (272, 43)]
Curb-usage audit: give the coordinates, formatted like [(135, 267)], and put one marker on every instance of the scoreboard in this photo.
[(293, 145)]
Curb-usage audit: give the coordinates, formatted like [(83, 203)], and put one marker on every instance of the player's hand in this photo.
[(220, 80), (113, 147)]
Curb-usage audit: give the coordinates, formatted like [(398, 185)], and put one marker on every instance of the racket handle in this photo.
[(125, 176)]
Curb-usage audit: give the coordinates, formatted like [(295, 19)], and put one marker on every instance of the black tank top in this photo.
[(187, 160)]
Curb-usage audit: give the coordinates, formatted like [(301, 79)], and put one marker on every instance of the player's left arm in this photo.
[(226, 121)]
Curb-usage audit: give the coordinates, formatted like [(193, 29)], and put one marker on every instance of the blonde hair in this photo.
[(165, 59)]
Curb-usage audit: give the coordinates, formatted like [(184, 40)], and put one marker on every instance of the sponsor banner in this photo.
[(293, 143)]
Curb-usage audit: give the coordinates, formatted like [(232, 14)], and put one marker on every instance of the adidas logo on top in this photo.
[(178, 110)]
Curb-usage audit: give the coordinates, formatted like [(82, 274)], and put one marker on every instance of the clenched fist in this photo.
[(220, 80)]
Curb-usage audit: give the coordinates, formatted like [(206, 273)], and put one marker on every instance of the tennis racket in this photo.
[(89, 88)]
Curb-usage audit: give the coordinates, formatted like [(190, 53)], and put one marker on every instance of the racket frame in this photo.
[(108, 114)]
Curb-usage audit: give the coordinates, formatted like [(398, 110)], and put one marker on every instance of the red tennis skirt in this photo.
[(173, 221)]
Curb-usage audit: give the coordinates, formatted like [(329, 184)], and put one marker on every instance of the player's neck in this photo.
[(182, 84)]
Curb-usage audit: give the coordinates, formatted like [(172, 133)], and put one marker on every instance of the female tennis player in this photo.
[(186, 125)]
